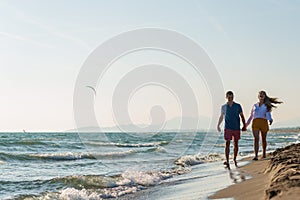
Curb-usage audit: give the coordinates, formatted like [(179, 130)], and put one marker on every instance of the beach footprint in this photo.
[(237, 175)]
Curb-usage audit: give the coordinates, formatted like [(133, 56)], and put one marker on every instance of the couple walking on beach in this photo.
[(260, 115)]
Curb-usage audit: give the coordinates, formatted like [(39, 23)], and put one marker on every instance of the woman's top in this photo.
[(259, 112)]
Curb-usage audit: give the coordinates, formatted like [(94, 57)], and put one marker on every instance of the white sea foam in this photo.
[(74, 194), (220, 145), (190, 160), (145, 178), (76, 156), (150, 144), (84, 194), (62, 156), (161, 150), (114, 154), (142, 178)]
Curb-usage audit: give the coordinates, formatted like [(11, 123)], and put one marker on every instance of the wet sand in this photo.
[(277, 177)]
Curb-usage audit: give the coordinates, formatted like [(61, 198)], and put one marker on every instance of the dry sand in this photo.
[(277, 177)]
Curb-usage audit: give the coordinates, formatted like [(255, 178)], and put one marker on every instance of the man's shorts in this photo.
[(232, 134), (260, 124)]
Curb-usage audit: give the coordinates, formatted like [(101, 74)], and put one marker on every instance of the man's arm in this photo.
[(244, 122), (250, 117), (219, 122)]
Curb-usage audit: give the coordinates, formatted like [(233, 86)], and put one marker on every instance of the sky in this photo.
[(254, 46)]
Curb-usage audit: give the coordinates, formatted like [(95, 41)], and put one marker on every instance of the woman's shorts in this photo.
[(260, 124)]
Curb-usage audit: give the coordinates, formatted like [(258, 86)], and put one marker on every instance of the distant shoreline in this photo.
[(294, 130), (98, 130)]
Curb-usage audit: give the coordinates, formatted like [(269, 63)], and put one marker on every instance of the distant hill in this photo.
[(189, 124), (174, 124)]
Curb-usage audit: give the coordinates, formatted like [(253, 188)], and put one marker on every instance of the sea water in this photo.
[(68, 165)]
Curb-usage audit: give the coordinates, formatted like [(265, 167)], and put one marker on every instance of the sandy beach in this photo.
[(277, 177)]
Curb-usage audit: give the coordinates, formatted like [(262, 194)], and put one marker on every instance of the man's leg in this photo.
[(227, 150), (236, 150), (264, 143), (256, 143)]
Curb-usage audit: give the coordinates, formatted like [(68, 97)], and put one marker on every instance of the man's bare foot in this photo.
[(235, 163), (255, 158), (226, 164)]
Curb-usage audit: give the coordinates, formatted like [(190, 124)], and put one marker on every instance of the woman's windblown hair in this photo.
[(269, 102)]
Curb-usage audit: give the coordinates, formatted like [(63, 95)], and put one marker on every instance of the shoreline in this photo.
[(276, 177), (252, 188)]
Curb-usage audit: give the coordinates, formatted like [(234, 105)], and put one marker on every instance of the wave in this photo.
[(190, 160), (85, 194), (98, 186), (67, 156), (23, 143), (127, 153), (109, 155), (187, 160), (48, 156), (220, 145), (101, 187), (8, 157), (62, 156), (287, 137), (72, 193), (87, 181), (147, 178), (128, 183), (159, 149), (150, 144)]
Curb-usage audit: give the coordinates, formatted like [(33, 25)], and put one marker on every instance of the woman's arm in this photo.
[(269, 117)]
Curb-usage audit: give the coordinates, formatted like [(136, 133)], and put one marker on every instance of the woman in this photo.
[(261, 114)]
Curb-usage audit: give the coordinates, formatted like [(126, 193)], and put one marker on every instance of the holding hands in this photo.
[(244, 128)]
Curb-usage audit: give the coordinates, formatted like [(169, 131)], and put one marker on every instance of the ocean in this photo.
[(65, 165)]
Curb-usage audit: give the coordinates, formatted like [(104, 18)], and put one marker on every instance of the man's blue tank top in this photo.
[(232, 116)]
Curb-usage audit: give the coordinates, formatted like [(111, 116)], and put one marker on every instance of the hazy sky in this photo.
[(43, 44)]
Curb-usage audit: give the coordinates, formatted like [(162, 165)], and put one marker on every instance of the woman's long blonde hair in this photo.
[(269, 102)]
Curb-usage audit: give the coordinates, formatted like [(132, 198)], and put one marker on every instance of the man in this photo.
[(232, 112)]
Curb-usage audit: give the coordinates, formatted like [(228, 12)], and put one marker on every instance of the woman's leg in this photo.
[(264, 143), (256, 142)]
